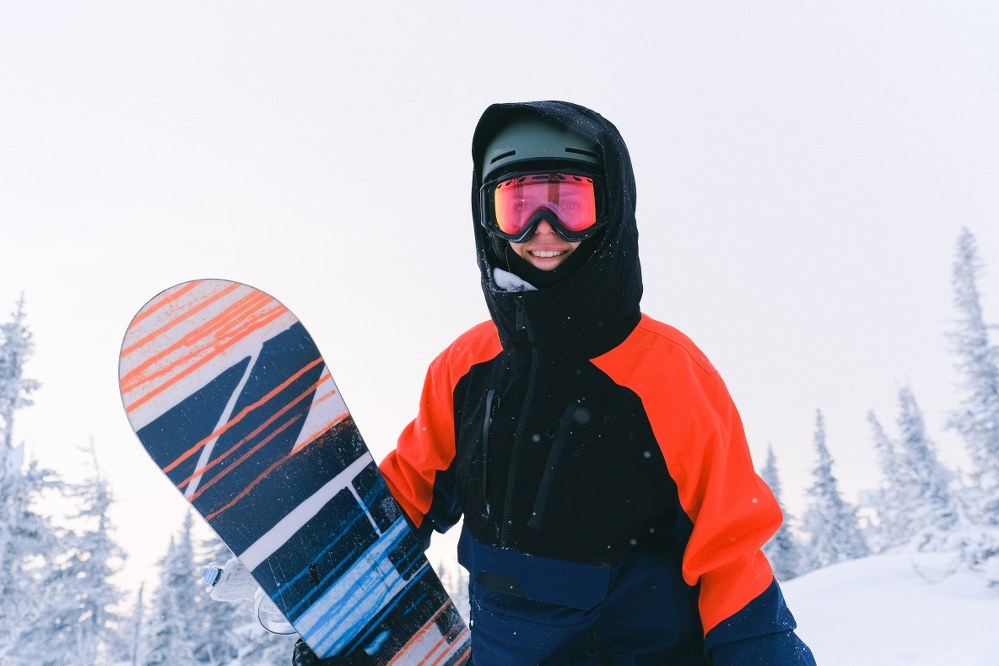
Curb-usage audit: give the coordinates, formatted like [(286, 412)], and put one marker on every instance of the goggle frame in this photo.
[(487, 207)]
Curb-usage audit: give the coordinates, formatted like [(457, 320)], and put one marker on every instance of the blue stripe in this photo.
[(364, 578)]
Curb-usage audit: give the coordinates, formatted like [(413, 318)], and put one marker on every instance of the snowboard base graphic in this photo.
[(231, 398)]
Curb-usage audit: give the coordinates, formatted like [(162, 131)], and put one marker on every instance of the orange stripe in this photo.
[(160, 303), (137, 375), (243, 458), (449, 643), (422, 632), (210, 326), (322, 431), (242, 414), (242, 307), (174, 321), (308, 439), (263, 426), (260, 478), (269, 469), (266, 472), (219, 347)]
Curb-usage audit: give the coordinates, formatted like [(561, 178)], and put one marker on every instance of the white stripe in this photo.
[(327, 406), (276, 537), (206, 451)]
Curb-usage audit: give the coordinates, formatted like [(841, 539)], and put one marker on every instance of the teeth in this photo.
[(546, 254)]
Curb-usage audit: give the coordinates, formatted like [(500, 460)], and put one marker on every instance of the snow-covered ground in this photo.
[(891, 610)]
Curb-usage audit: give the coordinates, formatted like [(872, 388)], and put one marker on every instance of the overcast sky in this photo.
[(804, 170)]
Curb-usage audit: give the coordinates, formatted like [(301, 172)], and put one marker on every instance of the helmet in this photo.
[(537, 140)]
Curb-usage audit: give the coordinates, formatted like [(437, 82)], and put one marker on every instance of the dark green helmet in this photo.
[(532, 139)]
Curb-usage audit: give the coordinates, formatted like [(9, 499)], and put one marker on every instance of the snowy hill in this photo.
[(896, 609)]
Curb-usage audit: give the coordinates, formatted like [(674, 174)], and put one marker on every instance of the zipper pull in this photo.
[(521, 315), (487, 421)]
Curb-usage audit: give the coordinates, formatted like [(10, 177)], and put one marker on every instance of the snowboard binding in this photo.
[(233, 583)]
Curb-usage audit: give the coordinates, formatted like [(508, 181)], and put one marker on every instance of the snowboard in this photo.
[(229, 395)]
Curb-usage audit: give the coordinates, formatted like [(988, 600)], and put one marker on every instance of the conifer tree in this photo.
[(783, 549), (77, 624), (925, 493), (174, 621), (28, 539), (830, 521), (16, 347), (132, 638), (977, 418), (894, 526), (222, 642)]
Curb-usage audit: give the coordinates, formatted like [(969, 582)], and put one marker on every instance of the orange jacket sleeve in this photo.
[(701, 436), (426, 446)]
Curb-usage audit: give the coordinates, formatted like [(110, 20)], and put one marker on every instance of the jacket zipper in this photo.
[(523, 324), (561, 437), (491, 404)]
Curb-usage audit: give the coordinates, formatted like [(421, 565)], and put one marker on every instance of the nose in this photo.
[(544, 227)]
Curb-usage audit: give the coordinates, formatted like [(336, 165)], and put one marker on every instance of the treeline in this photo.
[(921, 504), (60, 605)]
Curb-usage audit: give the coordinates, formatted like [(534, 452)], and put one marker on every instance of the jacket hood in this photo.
[(595, 308)]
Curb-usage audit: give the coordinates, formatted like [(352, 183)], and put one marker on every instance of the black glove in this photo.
[(304, 656)]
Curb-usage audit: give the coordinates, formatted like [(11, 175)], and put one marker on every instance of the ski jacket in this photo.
[(611, 512)]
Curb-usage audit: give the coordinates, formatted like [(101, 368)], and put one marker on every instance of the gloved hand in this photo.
[(304, 656)]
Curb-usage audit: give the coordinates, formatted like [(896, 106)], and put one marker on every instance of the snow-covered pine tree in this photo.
[(77, 625), (132, 637), (221, 642), (977, 418), (31, 541), (16, 347), (28, 540), (925, 483), (783, 549), (175, 617), (894, 526), (829, 520), (232, 633)]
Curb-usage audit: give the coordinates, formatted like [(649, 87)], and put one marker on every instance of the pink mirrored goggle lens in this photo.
[(571, 198)]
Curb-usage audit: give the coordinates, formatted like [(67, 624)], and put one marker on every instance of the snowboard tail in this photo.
[(233, 401)]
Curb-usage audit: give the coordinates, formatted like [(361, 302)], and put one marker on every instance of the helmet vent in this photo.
[(504, 155), (580, 151)]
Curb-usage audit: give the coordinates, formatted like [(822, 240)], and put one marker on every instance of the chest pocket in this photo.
[(575, 415)]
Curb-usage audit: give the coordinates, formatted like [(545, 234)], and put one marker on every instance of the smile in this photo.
[(547, 254)]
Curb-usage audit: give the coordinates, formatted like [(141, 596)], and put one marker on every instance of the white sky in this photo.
[(804, 169)]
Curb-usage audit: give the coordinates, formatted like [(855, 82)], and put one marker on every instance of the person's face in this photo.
[(545, 249)]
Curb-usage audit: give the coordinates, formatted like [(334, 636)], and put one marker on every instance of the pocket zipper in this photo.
[(541, 501), (487, 420)]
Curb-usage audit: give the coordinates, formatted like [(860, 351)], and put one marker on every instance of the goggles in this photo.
[(513, 206)]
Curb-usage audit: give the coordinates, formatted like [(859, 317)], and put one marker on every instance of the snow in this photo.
[(896, 609)]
